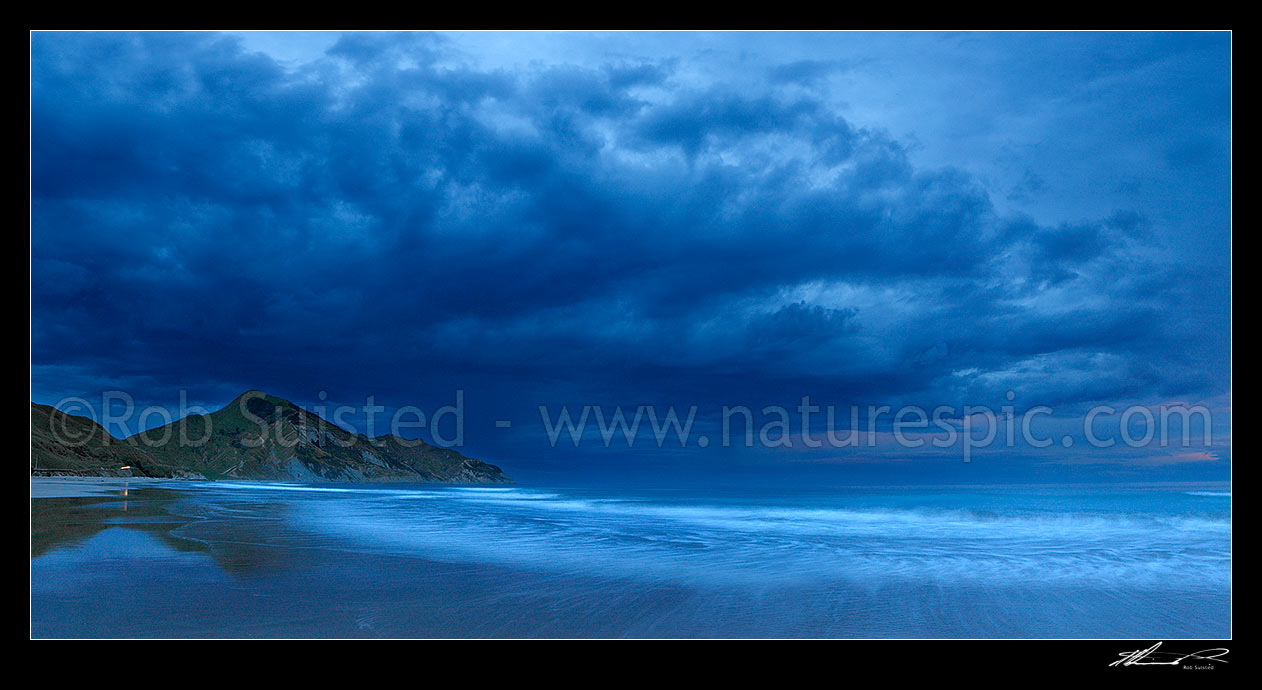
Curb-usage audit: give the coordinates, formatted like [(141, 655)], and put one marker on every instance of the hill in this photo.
[(256, 436)]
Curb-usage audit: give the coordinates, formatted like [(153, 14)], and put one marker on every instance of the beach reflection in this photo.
[(62, 522), (238, 539), (203, 559)]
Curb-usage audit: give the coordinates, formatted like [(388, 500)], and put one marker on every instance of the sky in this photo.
[(637, 218)]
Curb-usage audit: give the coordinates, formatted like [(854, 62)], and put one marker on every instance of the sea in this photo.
[(256, 559)]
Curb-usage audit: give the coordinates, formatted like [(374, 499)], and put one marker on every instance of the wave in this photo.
[(752, 545)]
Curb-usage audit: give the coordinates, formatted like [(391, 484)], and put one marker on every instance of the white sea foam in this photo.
[(425, 560), (750, 544)]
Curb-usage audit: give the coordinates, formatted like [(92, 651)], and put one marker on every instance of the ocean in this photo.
[(241, 559)]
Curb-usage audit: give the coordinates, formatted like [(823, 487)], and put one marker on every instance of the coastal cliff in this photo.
[(256, 436)]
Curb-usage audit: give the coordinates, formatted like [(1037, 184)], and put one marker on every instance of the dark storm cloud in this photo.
[(389, 220)]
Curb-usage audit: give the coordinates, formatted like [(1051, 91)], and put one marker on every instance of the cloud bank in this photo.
[(392, 218)]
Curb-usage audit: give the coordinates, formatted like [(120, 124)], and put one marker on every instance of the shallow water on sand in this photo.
[(261, 559)]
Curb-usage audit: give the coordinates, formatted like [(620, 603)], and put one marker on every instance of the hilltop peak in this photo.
[(256, 393), (260, 403), (256, 436)]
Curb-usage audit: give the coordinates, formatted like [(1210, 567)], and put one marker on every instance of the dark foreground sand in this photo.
[(159, 558)]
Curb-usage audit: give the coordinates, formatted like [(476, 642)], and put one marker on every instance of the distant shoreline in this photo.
[(71, 486), (75, 487)]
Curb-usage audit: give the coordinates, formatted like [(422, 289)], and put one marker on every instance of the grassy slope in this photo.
[(262, 436), (255, 436), (72, 444)]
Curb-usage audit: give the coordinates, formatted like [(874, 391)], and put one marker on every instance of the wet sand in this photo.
[(69, 487), (128, 558), (68, 512)]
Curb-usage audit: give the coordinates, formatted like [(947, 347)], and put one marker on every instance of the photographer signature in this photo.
[(1152, 657)]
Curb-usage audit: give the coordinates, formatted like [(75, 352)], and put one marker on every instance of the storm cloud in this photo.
[(393, 217)]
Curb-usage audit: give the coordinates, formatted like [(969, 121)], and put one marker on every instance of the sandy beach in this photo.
[(154, 558), (71, 487)]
